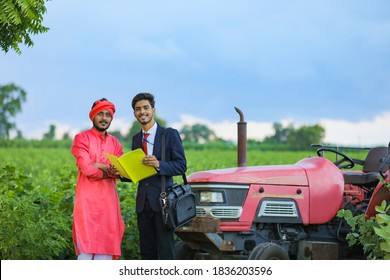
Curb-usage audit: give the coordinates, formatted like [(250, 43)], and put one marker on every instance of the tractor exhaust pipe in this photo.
[(241, 140)]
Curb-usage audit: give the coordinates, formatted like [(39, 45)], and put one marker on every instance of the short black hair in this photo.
[(143, 96)]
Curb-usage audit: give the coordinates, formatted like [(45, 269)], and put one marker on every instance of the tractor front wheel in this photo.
[(183, 251), (268, 251)]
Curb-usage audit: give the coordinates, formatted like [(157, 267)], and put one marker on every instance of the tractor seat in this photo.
[(370, 171)]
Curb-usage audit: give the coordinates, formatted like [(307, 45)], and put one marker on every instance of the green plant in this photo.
[(373, 234), (383, 228), (362, 234), (130, 241), (33, 226)]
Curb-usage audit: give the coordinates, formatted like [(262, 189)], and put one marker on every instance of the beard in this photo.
[(101, 125), (144, 119), (144, 122)]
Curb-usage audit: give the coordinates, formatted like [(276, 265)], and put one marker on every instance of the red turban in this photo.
[(100, 106)]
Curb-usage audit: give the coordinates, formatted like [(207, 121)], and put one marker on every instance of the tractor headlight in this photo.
[(211, 197)]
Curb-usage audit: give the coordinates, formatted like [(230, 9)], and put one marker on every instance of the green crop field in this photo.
[(37, 189), (42, 164)]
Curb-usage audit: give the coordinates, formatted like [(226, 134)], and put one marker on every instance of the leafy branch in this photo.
[(19, 19)]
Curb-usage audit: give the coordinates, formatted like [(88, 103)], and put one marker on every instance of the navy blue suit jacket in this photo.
[(175, 164)]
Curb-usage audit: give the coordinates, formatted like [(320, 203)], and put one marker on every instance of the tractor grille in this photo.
[(200, 212), (219, 212), (272, 208)]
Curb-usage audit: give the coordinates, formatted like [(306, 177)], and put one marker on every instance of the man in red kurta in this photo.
[(98, 226)]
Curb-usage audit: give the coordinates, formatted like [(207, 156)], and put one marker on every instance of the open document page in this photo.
[(129, 165)]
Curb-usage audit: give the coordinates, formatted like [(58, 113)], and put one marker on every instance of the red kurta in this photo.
[(98, 226)]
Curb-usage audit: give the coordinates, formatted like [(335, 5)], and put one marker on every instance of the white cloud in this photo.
[(121, 124), (374, 132), (61, 129), (228, 129), (369, 132)]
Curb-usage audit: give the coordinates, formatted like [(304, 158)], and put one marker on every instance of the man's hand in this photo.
[(151, 161), (113, 171), (103, 168)]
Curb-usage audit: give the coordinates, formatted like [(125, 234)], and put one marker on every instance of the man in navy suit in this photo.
[(156, 242)]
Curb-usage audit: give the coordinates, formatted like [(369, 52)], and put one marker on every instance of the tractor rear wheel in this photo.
[(268, 251), (183, 251)]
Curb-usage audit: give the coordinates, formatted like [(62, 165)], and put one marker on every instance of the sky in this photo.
[(282, 61)]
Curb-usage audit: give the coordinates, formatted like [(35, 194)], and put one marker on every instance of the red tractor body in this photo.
[(316, 185), (281, 211)]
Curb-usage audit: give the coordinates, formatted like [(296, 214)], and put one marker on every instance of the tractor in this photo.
[(282, 211)]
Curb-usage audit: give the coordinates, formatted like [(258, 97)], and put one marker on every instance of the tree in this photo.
[(51, 134), (197, 133), (11, 98), (66, 136), (303, 137), (18, 20), (297, 138), (281, 133), (19, 134)]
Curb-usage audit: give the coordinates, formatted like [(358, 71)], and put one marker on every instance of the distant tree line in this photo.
[(197, 136)]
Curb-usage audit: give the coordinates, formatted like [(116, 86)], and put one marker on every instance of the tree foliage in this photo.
[(11, 98), (299, 138), (50, 135), (197, 133), (281, 133), (18, 20), (304, 136)]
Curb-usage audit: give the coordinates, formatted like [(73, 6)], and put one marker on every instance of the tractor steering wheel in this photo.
[(350, 163)]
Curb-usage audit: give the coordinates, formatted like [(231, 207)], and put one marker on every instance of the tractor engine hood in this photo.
[(317, 181), (271, 175)]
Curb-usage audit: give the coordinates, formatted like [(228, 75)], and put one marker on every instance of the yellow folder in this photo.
[(129, 165)]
